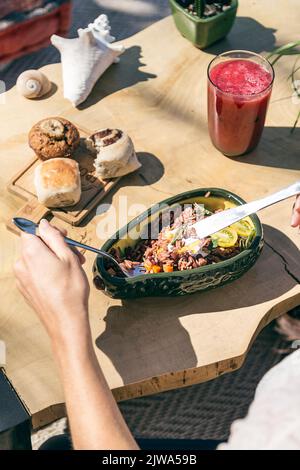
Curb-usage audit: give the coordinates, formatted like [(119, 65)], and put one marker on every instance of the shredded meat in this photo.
[(176, 247)]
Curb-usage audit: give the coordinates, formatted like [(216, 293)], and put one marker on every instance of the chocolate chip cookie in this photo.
[(53, 137)]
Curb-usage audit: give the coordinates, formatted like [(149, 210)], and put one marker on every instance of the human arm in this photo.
[(51, 278)]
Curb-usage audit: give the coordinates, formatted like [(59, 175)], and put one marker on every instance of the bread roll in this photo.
[(57, 182), (114, 153)]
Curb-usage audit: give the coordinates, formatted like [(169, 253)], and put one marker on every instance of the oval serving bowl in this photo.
[(177, 282)]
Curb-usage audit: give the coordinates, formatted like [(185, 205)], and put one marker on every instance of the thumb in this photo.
[(54, 239)]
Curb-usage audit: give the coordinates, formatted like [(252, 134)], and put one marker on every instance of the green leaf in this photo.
[(214, 242), (285, 50), (292, 74), (178, 234), (295, 123), (291, 52), (288, 49), (244, 243)]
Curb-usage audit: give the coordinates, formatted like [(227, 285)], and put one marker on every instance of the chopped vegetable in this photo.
[(226, 237), (243, 228), (156, 268), (193, 247), (168, 268), (147, 265)]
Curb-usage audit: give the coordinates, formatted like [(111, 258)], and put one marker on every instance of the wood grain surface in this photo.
[(157, 93)]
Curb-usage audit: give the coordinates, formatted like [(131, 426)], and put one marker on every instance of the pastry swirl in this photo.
[(114, 153)]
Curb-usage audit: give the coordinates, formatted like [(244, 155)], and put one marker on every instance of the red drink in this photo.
[(239, 89)]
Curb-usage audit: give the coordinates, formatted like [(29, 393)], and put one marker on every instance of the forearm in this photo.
[(94, 417)]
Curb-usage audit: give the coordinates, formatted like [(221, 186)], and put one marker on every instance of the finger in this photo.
[(80, 256), (64, 233), (295, 222), (61, 230), (54, 240), (32, 248)]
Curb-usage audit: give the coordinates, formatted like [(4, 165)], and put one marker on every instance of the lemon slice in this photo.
[(226, 237), (229, 205), (243, 227)]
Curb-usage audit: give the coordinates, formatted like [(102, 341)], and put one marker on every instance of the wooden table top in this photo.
[(158, 95)]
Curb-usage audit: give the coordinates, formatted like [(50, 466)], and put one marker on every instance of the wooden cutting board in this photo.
[(93, 189)]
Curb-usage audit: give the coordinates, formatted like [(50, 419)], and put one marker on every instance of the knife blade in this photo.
[(216, 222)]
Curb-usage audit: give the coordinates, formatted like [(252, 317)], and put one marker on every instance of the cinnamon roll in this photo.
[(114, 153)]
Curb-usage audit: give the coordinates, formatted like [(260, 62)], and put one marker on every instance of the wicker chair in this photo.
[(26, 25)]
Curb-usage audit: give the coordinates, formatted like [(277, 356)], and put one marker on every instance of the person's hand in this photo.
[(50, 277), (296, 213)]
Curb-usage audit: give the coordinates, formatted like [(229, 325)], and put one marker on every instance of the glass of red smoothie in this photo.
[(239, 90)]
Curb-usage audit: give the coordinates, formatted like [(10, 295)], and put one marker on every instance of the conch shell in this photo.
[(33, 84), (114, 153), (85, 58)]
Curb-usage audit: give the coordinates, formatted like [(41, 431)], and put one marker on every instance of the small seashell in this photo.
[(33, 84)]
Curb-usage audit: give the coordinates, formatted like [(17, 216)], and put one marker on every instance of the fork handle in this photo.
[(72, 242)]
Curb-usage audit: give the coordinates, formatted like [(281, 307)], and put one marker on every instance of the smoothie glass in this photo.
[(239, 90)]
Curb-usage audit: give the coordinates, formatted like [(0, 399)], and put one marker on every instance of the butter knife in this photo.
[(223, 219)]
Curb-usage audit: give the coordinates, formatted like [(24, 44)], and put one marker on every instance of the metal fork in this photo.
[(30, 227)]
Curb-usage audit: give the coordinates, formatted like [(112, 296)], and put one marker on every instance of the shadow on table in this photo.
[(247, 34), (151, 171), (127, 17), (119, 76), (145, 323), (137, 326), (278, 148)]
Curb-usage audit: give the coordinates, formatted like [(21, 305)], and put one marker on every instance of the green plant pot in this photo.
[(177, 282), (203, 32)]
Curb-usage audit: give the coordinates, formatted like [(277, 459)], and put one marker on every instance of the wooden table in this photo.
[(158, 94)]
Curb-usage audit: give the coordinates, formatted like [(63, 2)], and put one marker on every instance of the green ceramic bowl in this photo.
[(203, 32), (177, 282)]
